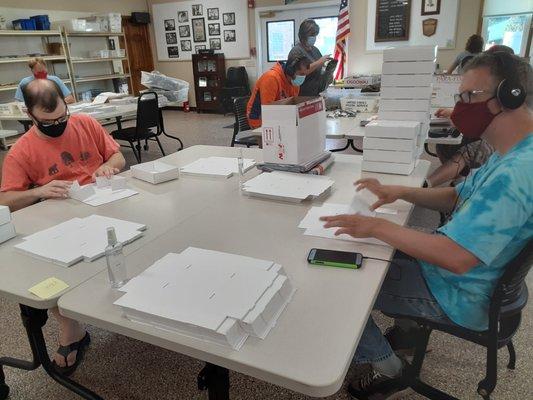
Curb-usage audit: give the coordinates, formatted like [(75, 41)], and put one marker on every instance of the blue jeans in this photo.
[(405, 292)]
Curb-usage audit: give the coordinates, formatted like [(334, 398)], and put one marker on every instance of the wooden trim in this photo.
[(422, 12), (395, 39), (480, 16)]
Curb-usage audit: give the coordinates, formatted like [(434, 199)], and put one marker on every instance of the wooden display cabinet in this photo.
[(209, 75)]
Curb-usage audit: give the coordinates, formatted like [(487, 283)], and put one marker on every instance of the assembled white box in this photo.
[(402, 157), (5, 215), (392, 129), (389, 144), (416, 80), (154, 172), (392, 92), (411, 53), (388, 167), (408, 67), (421, 116), (293, 130), (404, 105), (7, 231)]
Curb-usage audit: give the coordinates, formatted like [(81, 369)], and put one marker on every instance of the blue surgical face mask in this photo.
[(311, 40), (298, 80)]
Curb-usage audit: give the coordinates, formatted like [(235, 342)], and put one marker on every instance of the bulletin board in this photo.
[(183, 28), (444, 36)]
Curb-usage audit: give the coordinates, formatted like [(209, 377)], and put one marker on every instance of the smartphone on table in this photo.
[(334, 258)]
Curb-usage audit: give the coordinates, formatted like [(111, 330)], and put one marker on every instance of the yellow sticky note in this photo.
[(48, 288)]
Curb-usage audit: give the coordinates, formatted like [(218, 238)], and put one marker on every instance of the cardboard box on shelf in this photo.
[(392, 129), (293, 130)]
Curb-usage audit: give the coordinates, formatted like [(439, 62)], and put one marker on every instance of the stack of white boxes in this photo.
[(396, 139), (7, 230)]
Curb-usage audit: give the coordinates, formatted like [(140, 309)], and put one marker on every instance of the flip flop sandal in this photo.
[(64, 351)]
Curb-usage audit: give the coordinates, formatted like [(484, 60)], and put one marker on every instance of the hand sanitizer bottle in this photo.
[(240, 162), (116, 264)]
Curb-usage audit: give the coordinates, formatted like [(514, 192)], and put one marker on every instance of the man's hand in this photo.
[(443, 113), (386, 193), (53, 190), (354, 225), (106, 170)]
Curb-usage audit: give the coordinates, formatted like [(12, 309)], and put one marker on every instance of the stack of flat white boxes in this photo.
[(393, 143), (7, 229)]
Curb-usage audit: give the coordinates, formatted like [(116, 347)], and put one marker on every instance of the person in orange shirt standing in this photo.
[(281, 81), (42, 164)]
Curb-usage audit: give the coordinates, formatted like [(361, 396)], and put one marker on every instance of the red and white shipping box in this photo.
[(293, 130)]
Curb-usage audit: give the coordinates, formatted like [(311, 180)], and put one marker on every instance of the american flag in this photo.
[(343, 29)]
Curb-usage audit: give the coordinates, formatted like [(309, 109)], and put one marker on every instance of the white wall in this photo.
[(495, 7)]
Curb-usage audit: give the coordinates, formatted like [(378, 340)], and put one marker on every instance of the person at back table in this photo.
[(38, 69), (449, 276), (281, 81), (474, 46), (42, 164)]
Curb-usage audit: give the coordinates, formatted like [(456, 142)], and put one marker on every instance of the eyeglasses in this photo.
[(466, 97), (51, 122)]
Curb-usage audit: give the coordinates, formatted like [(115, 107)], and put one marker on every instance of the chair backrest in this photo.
[(511, 293), (237, 77), (148, 113), (239, 109)]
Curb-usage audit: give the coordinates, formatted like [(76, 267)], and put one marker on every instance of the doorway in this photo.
[(139, 51)]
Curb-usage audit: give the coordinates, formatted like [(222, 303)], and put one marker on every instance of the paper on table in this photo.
[(216, 166), (48, 288), (105, 190)]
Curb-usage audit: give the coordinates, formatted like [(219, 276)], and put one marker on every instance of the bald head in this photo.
[(42, 94)]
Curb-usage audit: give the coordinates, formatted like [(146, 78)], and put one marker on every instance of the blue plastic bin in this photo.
[(24, 24), (42, 23)]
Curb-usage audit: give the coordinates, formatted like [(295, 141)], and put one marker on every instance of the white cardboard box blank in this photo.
[(410, 53), (388, 168), (393, 129), (154, 172), (402, 157), (5, 215), (389, 144), (391, 92), (414, 67), (7, 231), (421, 116), (404, 105), (418, 80)]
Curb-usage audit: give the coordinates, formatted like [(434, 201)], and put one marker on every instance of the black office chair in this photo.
[(508, 300), (241, 124), (235, 85), (148, 125)]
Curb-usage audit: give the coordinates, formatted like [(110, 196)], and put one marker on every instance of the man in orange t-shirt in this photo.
[(57, 150), (42, 164), (281, 81)]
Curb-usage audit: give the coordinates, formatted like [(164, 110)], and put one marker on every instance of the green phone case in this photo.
[(334, 264)]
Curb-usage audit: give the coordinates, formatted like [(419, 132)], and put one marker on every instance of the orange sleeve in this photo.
[(14, 176), (269, 89), (107, 146)]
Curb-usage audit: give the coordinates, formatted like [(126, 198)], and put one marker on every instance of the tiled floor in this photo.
[(117, 367)]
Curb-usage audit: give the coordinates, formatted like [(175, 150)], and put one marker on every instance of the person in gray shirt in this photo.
[(474, 46), (307, 34)]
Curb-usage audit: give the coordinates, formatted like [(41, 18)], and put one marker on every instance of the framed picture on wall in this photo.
[(171, 38), (212, 14), (186, 45), (213, 29), (229, 35), (185, 31), (197, 9), (199, 47), (183, 16), (173, 52), (215, 44), (170, 25), (198, 30), (430, 7), (228, 18)]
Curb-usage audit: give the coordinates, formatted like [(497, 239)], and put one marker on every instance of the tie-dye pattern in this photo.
[(493, 221)]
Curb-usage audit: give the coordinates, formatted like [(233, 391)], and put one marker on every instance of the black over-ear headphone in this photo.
[(290, 67), (510, 93)]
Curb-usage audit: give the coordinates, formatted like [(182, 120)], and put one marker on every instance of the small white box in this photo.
[(293, 130), (410, 53), (421, 116), (155, 172), (391, 92), (393, 129), (404, 105), (401, 157), (388, 168), (360, 104), (418, 80), (5, 215), (389, 144), (408, 67), (7, 231)]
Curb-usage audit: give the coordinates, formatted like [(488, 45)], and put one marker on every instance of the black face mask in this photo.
[(54, 130)]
